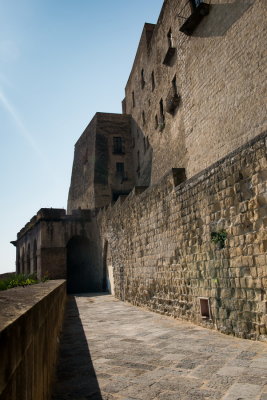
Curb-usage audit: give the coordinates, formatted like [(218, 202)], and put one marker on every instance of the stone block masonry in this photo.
[(162, 254), (30, 323), (219, 74)]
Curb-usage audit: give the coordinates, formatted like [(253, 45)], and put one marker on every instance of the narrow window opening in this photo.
[(172, 99), (118, 145), (120, 172), (152, 81), (156, 121), (120, 168), (133, 100), (174, 85), (142, 79), (161, 110), (144, 144), (138, 164), (162, 116), (143, 118), (168, 59), (170, 38), (204, 307)]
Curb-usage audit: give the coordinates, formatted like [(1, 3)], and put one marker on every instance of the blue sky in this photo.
[(60, 62)]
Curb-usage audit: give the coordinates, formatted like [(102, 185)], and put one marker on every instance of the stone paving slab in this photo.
[(111, 350)]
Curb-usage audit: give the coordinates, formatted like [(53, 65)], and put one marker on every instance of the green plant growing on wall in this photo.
[(219, 238), (18, 280)]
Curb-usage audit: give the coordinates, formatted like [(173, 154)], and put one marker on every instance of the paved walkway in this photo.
[(112, 350)]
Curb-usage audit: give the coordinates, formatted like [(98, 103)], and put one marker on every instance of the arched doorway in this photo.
[(82, 274)]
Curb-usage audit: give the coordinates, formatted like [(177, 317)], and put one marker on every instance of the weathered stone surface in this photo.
[(162, 256), (30, 323), (95, 182), (219, 73)]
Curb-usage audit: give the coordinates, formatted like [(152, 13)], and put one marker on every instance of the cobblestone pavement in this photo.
[(111, 350)]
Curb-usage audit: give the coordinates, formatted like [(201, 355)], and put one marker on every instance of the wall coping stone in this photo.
[(18, 301)]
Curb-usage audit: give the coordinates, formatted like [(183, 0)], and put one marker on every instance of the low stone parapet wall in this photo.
[(30, 323)]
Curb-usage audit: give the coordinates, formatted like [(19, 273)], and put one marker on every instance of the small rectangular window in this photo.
[(174, 86), (133, 100), (156, 122), (170, 38), (138, 164), (118, 145), (142, 79), (162, 117), (204, 307), (120, 168), (152, 81), (143, 118)]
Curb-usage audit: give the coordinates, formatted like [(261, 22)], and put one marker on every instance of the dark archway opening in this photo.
[(82, 273)]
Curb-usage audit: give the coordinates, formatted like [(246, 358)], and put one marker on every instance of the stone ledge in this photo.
[(17, 301), (30, 323)]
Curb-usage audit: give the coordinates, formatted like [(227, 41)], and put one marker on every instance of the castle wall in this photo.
[(95, 178), (52, 231), (108, 181), (81, 192), (160, 248), (220, 75)]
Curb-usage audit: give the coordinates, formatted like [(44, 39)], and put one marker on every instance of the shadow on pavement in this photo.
[(75, 375), (92, 294)]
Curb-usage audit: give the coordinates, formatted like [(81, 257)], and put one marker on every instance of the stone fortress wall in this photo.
[(219, 74), (158, 244), (95, 180), (184, 164)]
